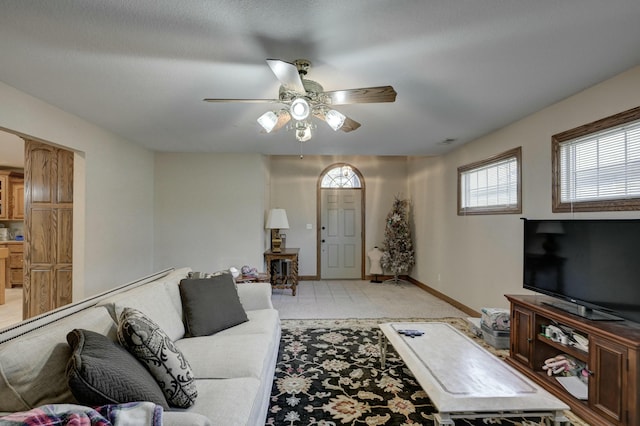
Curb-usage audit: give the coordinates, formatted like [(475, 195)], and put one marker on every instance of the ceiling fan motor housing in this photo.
[(302, 65)]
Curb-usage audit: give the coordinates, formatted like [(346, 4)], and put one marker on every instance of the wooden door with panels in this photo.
[(48, 250)]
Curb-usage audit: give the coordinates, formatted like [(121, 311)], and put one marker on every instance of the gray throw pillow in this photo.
[(211, 305), (102, 372), (155, 349)]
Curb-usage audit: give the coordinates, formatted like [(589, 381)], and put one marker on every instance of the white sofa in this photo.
[(234, 368)]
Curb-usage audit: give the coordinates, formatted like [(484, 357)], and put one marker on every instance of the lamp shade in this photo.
[(277, 219), (268, 121), (335, 119)]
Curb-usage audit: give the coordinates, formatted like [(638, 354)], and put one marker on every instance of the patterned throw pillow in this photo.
[(151, 346)]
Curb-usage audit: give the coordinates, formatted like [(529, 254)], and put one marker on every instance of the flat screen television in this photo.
[(591, 267)]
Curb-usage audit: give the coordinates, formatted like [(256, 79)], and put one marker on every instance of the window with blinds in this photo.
[(491, 186), (597, 166)]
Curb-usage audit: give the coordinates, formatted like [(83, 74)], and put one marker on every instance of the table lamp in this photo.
[(276, 220)]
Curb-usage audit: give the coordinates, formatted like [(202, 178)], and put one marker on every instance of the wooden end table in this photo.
[(282, 267)]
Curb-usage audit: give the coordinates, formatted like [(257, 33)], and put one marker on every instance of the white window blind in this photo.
[(601, 166), (491, 185)]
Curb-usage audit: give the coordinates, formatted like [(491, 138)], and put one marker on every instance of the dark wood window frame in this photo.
[(515, 209), (621, 204)]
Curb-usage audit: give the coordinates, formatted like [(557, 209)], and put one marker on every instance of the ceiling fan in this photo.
[(303, 98)]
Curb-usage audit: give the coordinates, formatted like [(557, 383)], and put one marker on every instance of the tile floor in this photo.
[(324, 300), (360, 299)]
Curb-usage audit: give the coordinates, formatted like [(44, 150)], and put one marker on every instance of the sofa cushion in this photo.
[(210, 305), (154, 300), (229, 401), (151, 346), (102, 372), (32, 366), (227, 356), (182, 418), (263, 321), (172, 285)]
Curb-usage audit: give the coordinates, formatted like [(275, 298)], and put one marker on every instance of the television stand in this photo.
[(612, 358), (582, 311)]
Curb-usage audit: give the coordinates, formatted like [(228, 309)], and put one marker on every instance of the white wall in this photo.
[(294, 184), (478, 259), (209, 210), (113, 208)]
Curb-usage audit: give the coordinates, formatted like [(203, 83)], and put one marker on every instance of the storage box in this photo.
[(496, 318), (497, 339)]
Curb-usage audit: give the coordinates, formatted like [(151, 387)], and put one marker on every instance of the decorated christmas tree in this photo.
[(398, 247)]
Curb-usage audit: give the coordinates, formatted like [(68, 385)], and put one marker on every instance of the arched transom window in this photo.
[(341, 176)]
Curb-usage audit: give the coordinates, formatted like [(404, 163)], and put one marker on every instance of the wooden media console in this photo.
[(612, 358)]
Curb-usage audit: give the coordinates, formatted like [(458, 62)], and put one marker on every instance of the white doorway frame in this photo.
[(319, 218)]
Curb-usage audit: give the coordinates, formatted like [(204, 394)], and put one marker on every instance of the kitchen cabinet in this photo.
[(14, 270), (16, 202), (4, 195), (612, 359), (11, 195)]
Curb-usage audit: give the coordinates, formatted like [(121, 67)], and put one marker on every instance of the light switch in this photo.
[(309, 226)]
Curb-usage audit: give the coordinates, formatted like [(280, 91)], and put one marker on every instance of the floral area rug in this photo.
[(328, 374)]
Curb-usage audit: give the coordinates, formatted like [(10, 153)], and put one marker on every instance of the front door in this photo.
[(341, 234)]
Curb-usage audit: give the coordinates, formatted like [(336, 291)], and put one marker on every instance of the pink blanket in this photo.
[(129, 414)]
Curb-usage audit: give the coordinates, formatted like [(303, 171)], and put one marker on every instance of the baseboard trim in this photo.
[(464, 308), (308, 278)]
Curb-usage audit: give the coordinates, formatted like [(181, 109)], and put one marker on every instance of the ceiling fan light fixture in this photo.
[(303, 131), (268, 121), (300, 109), (335, 119)]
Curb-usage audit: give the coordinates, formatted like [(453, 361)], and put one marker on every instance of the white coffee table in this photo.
[(464, 380)]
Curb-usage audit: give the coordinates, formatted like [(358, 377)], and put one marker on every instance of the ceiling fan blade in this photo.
[(349, 125), (288, 74), (361, 96), (262, 101)]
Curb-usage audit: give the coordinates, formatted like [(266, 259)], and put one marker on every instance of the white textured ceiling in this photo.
[(461, 68)]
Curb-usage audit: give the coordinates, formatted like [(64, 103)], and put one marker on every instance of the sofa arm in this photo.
[(255, 296)]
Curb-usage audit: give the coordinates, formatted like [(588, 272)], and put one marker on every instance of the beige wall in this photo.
[(11, 151), (209, 210), (293, 187), (477, 259), (113, 209)]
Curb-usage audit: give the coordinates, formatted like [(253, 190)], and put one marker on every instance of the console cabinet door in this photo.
[(608, 384), (522, 338)]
